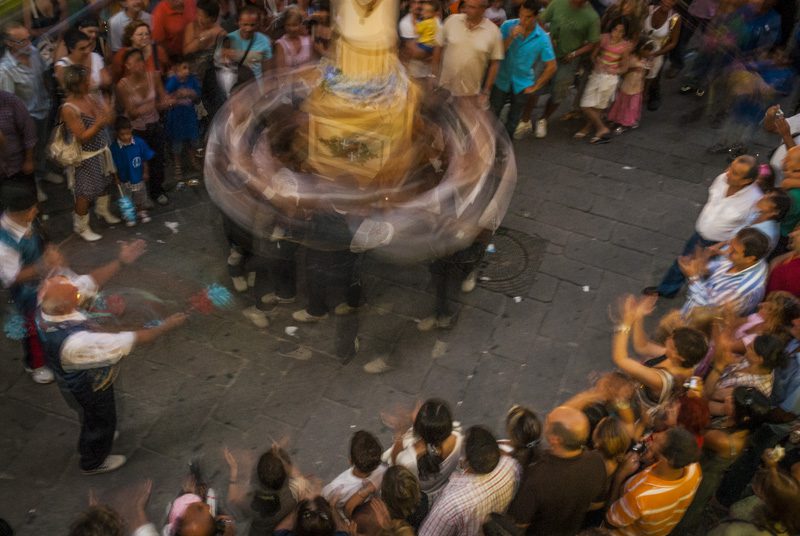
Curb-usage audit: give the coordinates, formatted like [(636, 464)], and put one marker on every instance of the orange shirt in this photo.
[(651, 506), (118, 67), (169, 25)]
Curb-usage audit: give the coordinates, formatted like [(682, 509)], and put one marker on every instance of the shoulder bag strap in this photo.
[(247, 51)]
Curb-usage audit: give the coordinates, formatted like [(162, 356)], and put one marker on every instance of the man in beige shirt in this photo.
[(471, 43)]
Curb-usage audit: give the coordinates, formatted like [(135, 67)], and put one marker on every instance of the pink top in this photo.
[(146, 106), (610, 56), (294, 55)]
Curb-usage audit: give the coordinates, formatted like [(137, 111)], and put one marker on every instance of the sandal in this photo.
[(598, 140), (580, 135), (619, 130)]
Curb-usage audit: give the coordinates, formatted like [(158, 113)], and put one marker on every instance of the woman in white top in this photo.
[(431, 449), (662, 26), (79, 52)]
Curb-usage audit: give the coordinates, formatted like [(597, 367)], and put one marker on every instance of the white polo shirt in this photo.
[(723, 215), (467, 54)]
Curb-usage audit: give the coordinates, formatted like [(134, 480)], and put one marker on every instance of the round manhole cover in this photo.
[(511, 262)]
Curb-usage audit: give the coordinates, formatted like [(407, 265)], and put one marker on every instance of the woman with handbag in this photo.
[(86, 116)]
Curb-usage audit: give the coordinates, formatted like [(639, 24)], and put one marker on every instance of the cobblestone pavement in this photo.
[(612, 217)]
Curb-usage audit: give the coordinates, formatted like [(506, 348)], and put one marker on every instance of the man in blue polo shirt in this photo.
[(525, 43)]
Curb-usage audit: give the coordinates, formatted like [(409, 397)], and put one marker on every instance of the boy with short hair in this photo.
[(365, 474), (130, 154)]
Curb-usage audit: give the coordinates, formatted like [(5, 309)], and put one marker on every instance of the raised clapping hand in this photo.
[(694, 265), (129, 252)]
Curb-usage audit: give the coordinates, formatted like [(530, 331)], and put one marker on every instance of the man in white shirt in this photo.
[(131, 10), (85, 361), (731, 205), (470, 52)]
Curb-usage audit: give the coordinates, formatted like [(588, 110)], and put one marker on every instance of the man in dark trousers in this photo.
[(85, 361)]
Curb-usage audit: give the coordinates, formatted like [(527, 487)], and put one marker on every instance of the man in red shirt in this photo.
[(170, 18)]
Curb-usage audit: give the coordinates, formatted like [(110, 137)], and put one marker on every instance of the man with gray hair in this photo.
[(23, 73), (86, 361)]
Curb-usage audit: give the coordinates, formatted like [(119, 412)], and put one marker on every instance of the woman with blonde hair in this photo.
[(86, 116)]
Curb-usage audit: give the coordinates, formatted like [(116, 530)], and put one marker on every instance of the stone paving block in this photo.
[(62, 438), (452, 354), (607, 296), (21, 504), (248, 394), (149, 381), (544, 288), (471, 332), (613, 209), (135, 418), (577, 198), (47, 398), (645, 240), (527, 224), (577, 221), (562, 267), (199, 361), (447, 384), (183, 417), (608, 256), (539, 378), (296, 397), (411, 360), (566, 315), (697, 193), (517, 330), (680, 225), (489, 390), (322, 446), (590, 359), (19, 422), (482, 299)]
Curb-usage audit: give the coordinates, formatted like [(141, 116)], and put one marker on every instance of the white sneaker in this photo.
[(274, 299), (42, 375), (239, 283), (468, 285), (144, 216), (257, 317), (304, 316), (523, 129), (111, 463), (541, 128), (376, 366)]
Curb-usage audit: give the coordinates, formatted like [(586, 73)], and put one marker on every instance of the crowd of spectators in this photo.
[(695, 432)]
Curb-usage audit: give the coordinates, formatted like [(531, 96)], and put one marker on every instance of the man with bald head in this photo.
[(558, 488), (85, 361)]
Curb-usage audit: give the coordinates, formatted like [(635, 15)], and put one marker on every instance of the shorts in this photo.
[(559, 85), (600, 90)]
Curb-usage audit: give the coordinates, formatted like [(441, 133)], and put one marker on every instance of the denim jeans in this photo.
[(498, 99), (674, 279)]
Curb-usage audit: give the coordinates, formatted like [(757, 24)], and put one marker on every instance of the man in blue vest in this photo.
[(24, 258), (86, 361)]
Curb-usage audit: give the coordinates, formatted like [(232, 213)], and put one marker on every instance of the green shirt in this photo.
[(571, 28), (793, 216)]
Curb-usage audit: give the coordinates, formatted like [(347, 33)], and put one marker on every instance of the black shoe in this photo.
[(687, 88), (653, 291), (654, 103)]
